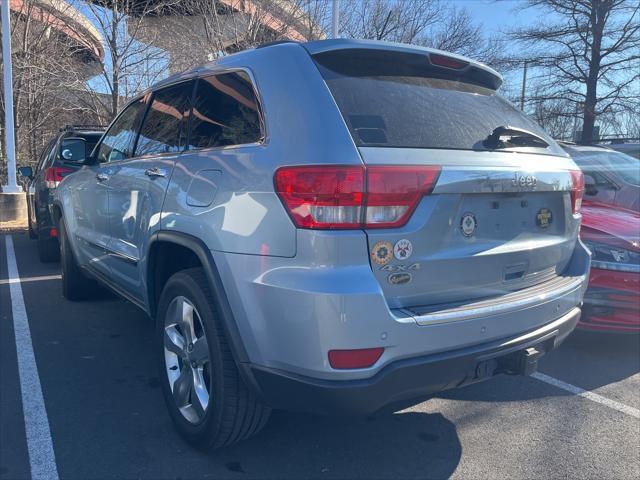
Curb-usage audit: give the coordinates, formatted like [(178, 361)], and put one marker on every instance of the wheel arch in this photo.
[(188, 243)]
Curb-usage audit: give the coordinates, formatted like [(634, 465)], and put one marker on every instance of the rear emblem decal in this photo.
[(402, 249), (382, 252), (399, 278), (544, 218), (468, 224)]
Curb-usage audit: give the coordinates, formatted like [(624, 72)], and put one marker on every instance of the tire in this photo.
[(48, 249), (75, 285), (231, 412)]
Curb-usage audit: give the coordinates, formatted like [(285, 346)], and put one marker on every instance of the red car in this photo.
[(612, 302)]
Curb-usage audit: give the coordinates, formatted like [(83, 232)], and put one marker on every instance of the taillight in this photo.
[(361, 358), (322, 197), (341, 197), (577, 190), (393, 193), (54, 175)]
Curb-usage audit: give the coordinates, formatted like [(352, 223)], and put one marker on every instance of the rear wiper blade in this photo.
[(505, 136)]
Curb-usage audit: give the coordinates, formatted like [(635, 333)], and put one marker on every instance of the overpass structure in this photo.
[(66, 24), (197, 31)]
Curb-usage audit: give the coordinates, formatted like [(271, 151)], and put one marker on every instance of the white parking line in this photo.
[(36, 423), (42, 278), (594, 397)]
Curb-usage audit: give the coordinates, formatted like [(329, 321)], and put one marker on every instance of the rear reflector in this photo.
[(53, 233), (54, 175), (577, 190), (448, 62), (341, 197), (362, 358)]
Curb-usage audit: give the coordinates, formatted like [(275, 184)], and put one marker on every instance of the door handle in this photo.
[(101, 177), (155, 172)]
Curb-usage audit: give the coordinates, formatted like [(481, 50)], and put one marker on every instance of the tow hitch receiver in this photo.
[(523, 362)]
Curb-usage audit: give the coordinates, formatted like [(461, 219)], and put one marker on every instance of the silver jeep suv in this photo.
[(335, 227)]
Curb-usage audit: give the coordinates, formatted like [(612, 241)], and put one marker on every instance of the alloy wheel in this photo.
[(187, 360)]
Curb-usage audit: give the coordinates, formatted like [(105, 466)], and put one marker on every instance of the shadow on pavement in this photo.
[(594, 359), (402, 445), (587, 360)]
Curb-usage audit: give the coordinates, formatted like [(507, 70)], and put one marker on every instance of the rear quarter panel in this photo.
[(303, 126)]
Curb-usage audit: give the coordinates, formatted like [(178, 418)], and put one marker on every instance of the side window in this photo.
[(118, 142), (164, 127), (602, 181), (46, 152), (52, 156), (225, 112)]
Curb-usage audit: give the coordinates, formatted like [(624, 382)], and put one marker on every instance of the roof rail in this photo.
[(71, 127)]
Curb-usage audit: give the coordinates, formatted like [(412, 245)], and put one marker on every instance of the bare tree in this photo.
[(431, 23), (591, 54), (44, 59), (197, 31), (391, 20), (458, 33), (131, 65)]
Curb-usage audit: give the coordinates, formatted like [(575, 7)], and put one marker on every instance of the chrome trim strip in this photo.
[(122, 257), (462, 180), (110, 252), (454, 315)]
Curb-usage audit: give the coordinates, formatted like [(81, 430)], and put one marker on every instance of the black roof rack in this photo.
[(70, 128)]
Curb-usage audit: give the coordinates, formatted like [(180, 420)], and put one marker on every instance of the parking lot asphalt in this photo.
[(107, 418)]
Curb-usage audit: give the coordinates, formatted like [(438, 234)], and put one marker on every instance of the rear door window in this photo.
[(225, 112), (164, 128), (391, 99)]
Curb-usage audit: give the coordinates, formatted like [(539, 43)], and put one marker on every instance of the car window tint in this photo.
[(164, 127), (225, 112), (52, 156), (388, 99), (599, 179), (622, 165), (118, 142), (46, 151)]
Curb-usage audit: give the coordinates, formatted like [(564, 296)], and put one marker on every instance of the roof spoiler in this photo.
[(456, 65)]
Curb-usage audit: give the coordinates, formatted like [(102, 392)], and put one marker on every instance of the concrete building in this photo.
[(65, 23), (196, 31)]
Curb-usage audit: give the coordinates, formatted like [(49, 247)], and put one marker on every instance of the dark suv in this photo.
[(60, 157)]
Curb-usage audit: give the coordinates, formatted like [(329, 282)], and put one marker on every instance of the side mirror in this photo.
[(74, 150), (590, 186), (26, 172)]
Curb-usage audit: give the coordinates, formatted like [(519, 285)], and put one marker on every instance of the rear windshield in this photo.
[(396, 103)]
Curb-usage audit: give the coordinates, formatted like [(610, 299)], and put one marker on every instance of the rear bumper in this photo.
[(290, 312), (408, 381), (612, 302)]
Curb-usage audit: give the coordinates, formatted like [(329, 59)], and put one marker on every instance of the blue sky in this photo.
[(496, 16)]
